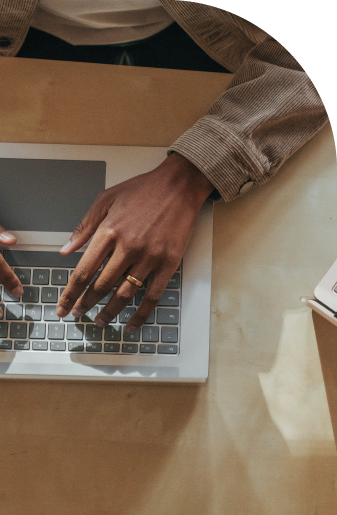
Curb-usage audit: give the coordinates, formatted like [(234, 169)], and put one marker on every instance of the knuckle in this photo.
[(109, 233), (100, 290), (80, 276), (67, 299), (123, 296), (156, 253)]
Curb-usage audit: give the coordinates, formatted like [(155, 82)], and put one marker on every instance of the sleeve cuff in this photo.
[(221, 156)]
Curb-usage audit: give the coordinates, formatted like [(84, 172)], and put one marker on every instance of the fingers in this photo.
[(101, 245), (103, 285), (122, 297)]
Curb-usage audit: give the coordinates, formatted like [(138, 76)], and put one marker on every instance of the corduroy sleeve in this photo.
[(269, 110)]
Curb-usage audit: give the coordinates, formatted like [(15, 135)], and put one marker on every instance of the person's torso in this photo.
[(100, 22)]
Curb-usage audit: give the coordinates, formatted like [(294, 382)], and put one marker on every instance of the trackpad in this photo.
[(47, 195)]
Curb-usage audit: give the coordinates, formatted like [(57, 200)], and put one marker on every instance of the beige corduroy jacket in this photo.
[(268, 111)]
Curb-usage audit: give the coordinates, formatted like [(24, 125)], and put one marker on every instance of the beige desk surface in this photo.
[(257, 439)]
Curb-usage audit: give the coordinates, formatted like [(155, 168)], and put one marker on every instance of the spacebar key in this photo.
[(35, 258)]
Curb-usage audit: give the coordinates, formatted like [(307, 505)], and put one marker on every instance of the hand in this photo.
[(7, 276), (143, 225)]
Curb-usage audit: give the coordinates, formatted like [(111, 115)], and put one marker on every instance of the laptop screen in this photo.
[(47, 194)]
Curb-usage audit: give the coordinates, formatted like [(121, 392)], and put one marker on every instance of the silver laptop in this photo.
[(45, 190), (324, 301)]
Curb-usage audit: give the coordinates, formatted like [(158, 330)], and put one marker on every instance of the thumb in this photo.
[(88, 225)]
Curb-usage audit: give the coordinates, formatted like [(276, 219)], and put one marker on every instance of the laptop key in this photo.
[(37, 331), (126, 314), (30, 294), (40, 345), (14, 312), (8, 297), (93, 333), (150, 334), (111, 347), (147, 348), (169, 334), (167, 349), (5, 344), (75, 331), (3, 329), (130, 348), (50, 314), (49, 295), (18, 330), (174, 282), (23, 345), (40, 276), (23, 275), (169, 298), (93, 347), (59, 277), (167, 316), (131, 337), (76, 346), (112, 333), (33, 312), (58, 346), (56, 331)]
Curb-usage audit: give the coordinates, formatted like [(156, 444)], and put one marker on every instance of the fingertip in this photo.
[(131, 328), (99, 322), (7, 238), (61, 312), (66, 248), (17, 291)]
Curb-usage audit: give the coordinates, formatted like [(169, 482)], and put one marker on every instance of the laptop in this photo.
[(324, 301), (45, 191)]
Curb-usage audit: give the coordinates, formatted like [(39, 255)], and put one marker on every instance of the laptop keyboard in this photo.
[(30, 323)]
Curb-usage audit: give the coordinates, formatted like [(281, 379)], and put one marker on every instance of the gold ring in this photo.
[(133, 280)]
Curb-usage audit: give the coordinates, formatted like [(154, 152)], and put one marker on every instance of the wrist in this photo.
[(192, 178)]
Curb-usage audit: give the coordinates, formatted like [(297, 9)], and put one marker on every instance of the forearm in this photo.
[(269, 110)]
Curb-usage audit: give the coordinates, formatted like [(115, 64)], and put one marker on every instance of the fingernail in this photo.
[(99, 322), (77, 312), (7, 236), (66, 246), (17, 291), (61, 312), (131, 329)]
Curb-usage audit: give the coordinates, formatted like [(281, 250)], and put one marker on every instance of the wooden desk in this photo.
[(256, 439)]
